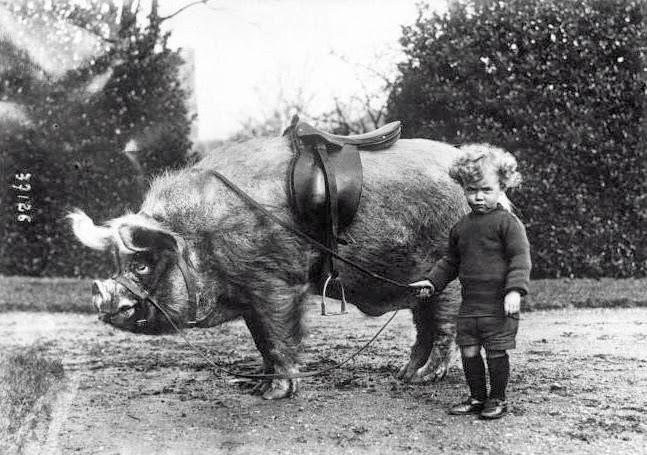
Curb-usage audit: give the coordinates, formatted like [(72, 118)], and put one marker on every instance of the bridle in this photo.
[(144, 295)]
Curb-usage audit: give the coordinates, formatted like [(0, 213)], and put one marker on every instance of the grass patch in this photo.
[(19, 293), (73, 295), (26, 375), (586, 293)]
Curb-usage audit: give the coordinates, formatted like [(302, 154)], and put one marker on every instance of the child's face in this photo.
[(483, 195)]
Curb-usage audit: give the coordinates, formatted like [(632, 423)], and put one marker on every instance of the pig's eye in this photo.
[(141, 269)]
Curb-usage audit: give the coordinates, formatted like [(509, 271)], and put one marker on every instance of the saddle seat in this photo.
[(380, 138)]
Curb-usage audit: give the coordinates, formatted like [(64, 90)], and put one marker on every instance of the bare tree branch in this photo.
[(203, 2), (95, 33), (128, 18), (387, 81)]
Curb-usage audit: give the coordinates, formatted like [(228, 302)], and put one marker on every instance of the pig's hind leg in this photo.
[(435, 344), (423, 320)]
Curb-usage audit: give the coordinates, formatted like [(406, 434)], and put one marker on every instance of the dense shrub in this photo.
[(559, 84), (72, 146), (92, 177)]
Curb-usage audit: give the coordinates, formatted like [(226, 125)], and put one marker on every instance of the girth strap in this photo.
[(331, 206)]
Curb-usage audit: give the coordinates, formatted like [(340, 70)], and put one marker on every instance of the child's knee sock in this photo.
[(474, 370), (499, 368)]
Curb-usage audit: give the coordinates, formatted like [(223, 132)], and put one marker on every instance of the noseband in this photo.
[(144, 295)]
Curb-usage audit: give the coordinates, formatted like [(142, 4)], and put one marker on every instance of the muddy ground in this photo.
[(578, 385)]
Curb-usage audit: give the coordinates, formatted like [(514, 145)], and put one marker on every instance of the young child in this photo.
[(489, 253)]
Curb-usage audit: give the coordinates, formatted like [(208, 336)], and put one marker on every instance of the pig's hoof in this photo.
[(406, 373), (428, 374), (282, 388), (401, 372), (261, 387)]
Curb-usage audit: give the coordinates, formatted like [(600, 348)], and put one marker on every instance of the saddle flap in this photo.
[(308, 186), (325, 175)]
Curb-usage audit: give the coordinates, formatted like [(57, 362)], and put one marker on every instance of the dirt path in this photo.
[(578, 385)]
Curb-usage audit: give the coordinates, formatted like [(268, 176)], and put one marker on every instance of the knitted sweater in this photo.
[(490, 255)]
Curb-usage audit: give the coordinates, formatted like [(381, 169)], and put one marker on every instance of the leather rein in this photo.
[(144, 295)]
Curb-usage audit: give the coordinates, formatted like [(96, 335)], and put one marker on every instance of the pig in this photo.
[(242, 264)]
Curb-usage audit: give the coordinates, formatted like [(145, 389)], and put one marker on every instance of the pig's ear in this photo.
[(96, 237), (140, 238)]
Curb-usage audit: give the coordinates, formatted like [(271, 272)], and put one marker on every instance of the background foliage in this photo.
[(560, 84), (73, 139)]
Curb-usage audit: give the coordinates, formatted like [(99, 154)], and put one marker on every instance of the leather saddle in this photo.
[(325, 179), (325, 174)]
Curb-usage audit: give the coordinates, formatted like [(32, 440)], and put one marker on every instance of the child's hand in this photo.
[(426, 288), (512, 303)]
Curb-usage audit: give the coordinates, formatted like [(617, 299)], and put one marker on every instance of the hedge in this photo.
[(560, 84)]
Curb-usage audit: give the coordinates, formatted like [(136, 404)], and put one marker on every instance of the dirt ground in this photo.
[(578, 385)]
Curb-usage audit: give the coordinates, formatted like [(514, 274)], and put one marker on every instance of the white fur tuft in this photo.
[(93, 236)]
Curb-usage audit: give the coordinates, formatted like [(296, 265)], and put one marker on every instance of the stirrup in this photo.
[(323, 297)]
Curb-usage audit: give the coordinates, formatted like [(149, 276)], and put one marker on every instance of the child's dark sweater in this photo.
[(490, 255)]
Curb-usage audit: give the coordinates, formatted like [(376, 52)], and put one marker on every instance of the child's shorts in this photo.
[(494, 333)]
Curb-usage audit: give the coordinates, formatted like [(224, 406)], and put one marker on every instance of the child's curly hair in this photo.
[(477, 157)]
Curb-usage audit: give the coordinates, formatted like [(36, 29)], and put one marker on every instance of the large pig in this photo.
[(243, 264)]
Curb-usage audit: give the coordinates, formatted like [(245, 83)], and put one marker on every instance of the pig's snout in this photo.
[(101, 297)]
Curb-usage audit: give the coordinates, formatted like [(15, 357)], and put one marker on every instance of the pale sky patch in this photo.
[(250, 53)]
